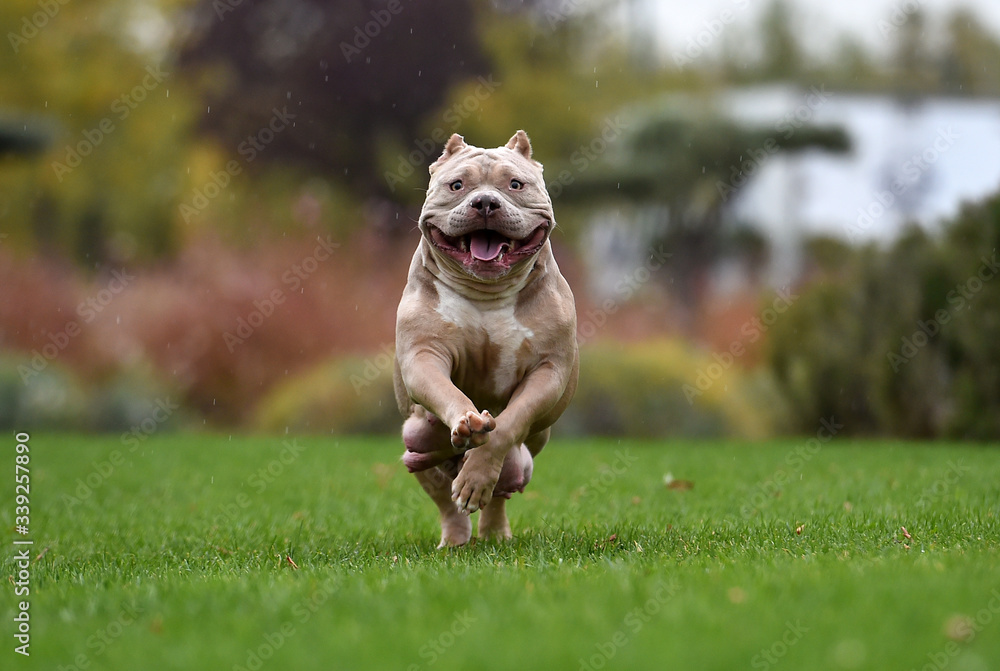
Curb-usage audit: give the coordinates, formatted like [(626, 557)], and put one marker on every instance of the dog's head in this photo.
[(487, 210)]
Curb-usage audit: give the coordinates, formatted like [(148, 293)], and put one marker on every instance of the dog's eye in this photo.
[(516, 184), (456, 185)]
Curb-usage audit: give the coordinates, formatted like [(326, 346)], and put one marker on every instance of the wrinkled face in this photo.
[(487, 209)]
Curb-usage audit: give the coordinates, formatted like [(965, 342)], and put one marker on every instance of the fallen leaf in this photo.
[(294, 565), (736, 595), (798, 529), (680, 485), (959, 628), (906, 533), (384, 473)]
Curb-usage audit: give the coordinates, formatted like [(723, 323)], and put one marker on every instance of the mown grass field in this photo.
[(178, 555)]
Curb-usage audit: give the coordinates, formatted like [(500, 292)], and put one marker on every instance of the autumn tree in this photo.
[(355, 75)]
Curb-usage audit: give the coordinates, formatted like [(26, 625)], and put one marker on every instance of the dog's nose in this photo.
[(485, 203)]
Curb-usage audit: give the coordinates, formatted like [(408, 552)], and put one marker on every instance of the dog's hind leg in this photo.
[(536, 441), (514, 476), (493, 524), (456, 527)]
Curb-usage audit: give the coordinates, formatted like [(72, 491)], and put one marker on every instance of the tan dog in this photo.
[(486, 351)]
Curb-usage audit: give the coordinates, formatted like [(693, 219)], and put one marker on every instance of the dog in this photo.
[(486, 350)]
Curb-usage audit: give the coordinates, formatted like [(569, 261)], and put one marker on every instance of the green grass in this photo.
[(609, 568)]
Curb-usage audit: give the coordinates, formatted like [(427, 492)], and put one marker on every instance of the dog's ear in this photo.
[(455, 144), (520, 143)]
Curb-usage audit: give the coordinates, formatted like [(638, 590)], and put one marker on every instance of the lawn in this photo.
[(216, 552)]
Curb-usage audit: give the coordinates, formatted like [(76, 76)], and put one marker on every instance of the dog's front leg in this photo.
[(533, 399), (427, 378)]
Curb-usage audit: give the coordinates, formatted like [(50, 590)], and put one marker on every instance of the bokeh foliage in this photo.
[(900, 341), (159, 96), (79, 80)]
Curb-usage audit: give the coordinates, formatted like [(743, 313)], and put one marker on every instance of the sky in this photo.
[(678, 21)]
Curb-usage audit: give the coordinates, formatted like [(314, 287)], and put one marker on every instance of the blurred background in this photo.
[(777, 216)]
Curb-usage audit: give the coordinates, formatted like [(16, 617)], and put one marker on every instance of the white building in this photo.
[(908, 163)]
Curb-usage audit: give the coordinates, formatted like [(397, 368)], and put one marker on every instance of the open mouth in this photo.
[(487, 247)]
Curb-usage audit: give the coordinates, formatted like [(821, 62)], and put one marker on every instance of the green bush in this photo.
[(903, 341), (634, 390), (51, 398), (343, 395), (55, 398), (135, 398), (651, 390)]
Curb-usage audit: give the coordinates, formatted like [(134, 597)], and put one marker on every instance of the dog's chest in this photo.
[(494, 347)]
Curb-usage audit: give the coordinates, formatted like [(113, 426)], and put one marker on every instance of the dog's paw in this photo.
[(494, 527), (473, 488), (455, 531), (472, 430), (495, 534)]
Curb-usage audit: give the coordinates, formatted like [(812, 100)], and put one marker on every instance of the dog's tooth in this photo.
[(462, 244)]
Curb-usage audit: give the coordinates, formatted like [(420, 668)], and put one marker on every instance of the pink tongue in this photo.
[(486, 245)]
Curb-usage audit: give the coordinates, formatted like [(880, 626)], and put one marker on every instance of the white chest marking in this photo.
[(500, 325)]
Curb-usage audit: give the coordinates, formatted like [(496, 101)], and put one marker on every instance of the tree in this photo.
[(687, 163), (970, 58), (114, 134), (900, 341), (912, 59), (783, 57), (355, 74)]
